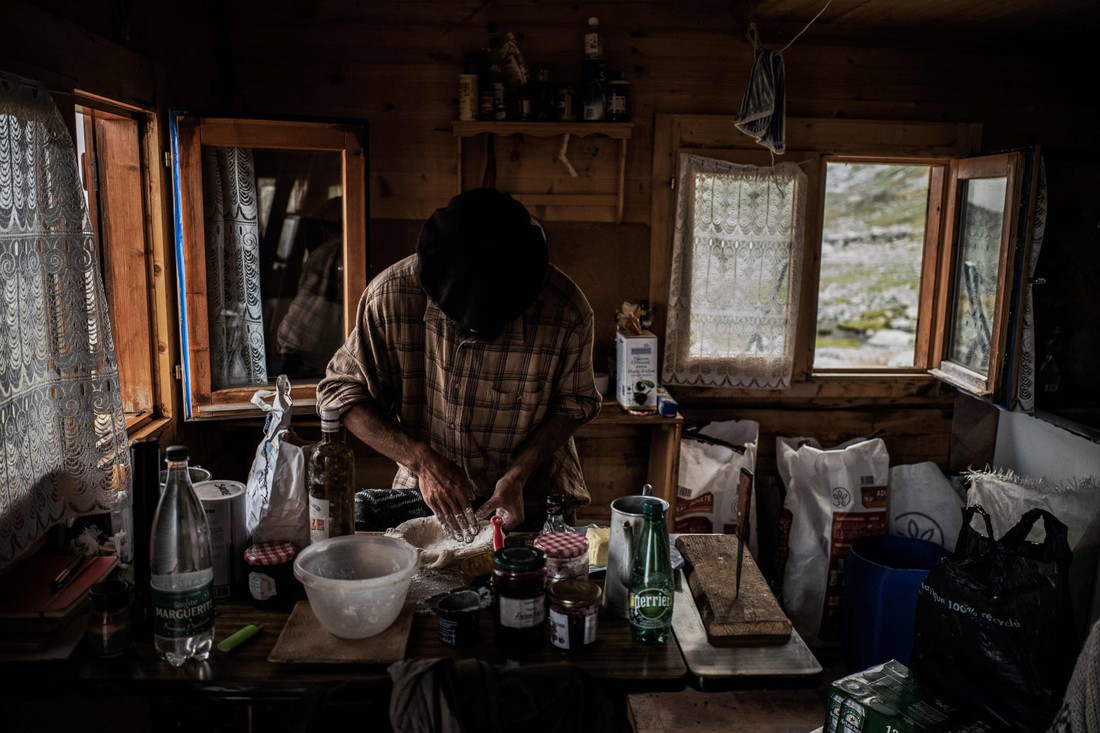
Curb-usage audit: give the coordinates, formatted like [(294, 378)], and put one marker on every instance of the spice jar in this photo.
[(566, 555), (519, 598), (574, 610), (271, 581), (109, 618)]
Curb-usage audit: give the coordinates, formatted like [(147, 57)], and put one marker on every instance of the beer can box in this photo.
[(224, 504), (636, 371), (887, 699)]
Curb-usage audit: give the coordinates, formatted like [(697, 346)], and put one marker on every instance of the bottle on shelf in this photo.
[(330, 475), (595, 70), (618, 94), (497, 88), (651, 581), (517, 75), (181, 568)]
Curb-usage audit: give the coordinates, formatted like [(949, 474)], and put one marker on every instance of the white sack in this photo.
[(923, 503), (276, 494), (833, 497)]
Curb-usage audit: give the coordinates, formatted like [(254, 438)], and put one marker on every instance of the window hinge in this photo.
[(167, 159), (672, 183), (179, 372)]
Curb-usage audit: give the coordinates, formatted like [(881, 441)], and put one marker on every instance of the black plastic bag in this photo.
[(994, 626)]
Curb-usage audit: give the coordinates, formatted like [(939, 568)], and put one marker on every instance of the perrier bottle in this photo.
[(651, 581)]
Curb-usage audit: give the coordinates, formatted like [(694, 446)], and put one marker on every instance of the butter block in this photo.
[(598, 538)]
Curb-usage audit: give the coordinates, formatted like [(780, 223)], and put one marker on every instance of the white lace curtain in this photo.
[(63, 445), (736, 270), (231, 213)]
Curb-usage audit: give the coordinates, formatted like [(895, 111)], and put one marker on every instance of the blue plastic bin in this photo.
[(881, 580)]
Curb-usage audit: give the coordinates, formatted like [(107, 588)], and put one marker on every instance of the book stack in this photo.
[(42, 607)]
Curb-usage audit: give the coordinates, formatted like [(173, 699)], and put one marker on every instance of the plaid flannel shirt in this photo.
[(474, 401)]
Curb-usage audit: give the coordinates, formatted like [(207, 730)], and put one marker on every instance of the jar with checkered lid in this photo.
[(271, 579), (566, 555)]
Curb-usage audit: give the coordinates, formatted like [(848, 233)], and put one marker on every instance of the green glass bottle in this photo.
[(651, 581)]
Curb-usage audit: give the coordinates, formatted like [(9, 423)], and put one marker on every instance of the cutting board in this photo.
[(753, 617), (304, 641)]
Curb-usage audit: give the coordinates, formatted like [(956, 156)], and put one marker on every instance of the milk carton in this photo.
[(636, 367)]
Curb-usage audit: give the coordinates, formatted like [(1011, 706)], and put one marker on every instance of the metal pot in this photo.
[(626, 526)]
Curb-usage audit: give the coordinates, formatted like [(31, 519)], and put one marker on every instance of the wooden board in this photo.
[(304, 641), (754, 616)]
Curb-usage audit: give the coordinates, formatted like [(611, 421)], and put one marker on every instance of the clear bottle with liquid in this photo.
[(651, 582), (330, 476), (555, 514), (181, 568)]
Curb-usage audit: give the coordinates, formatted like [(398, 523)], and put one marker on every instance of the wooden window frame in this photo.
[(813, 141), (132, 242), (190, 133)]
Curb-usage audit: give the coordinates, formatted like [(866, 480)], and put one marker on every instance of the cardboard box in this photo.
[(636, 366), (886, 699), (667, 406)]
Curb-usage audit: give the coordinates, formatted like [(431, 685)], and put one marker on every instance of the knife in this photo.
[(744, 497)]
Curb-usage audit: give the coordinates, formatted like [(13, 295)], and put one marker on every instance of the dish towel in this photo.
[(763, 108)]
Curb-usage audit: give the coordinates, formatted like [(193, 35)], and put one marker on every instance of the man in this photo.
[(470, 365)]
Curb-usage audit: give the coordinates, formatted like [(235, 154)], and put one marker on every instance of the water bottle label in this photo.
[(182, 614), (650, 608)]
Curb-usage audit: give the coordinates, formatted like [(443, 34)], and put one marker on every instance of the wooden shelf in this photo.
[(620, 131)]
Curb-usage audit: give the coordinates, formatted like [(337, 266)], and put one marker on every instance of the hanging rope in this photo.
[(796, 36)]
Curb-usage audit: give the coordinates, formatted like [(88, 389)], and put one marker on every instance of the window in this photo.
[(118, 155), (874, 245), (271, 253), (864, 312), (738, 253)]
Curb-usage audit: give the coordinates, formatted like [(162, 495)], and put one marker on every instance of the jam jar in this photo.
[(566, 555), (519, 598), (574, 610), (271, 581)]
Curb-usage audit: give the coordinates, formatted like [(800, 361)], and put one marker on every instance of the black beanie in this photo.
[(483, 260)]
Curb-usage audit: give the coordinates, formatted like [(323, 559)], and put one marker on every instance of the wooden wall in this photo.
[(396, 64)]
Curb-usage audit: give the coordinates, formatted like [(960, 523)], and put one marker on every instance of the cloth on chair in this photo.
[(1080, 711)]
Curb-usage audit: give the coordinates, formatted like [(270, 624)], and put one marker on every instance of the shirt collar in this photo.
[(515, 330)]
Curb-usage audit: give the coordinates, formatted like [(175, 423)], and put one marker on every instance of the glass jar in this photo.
[(566, 555), (109, 618), (574, 610), (271, 581), (519, 598)]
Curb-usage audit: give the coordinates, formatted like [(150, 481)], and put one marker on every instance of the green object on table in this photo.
[(235, 640)]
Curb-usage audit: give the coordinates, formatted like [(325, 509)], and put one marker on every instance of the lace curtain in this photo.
[(63, 445), (736, 270), (231, 213)]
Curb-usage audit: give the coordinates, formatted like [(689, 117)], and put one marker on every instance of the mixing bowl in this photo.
[(356, 584)]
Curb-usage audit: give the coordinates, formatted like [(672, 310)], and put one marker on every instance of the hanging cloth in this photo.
[(63, 445), (763, 108)]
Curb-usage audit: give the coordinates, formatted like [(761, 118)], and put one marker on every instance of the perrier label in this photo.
[(651, 608)]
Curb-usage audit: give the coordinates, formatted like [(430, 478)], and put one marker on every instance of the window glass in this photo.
[(872, 245)]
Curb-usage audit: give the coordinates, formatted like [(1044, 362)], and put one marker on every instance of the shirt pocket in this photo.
[(518, 394)]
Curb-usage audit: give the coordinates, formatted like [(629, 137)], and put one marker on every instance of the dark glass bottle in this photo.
[(330, 477), (651, 582)]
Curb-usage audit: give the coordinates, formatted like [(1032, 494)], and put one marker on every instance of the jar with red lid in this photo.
[(519, 599), (271, 581), (566, 555)]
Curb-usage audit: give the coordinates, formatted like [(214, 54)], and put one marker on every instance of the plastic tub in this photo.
[(356, 584), (881, 580)]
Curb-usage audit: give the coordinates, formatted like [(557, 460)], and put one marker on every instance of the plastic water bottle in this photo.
[(181, 569)]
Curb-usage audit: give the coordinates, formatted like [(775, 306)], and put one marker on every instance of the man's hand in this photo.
[(446, 491), (507, 501)]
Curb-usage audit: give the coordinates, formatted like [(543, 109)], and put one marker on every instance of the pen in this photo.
[(235, 640), (67, 574)]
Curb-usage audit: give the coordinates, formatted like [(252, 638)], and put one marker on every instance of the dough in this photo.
[(437, 547)]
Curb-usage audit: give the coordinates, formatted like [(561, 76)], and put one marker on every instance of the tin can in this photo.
[(224, 504), (574, 612), (467, 97), (458, 613)]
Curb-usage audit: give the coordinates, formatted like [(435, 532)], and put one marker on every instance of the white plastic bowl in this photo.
[(356, 584)]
